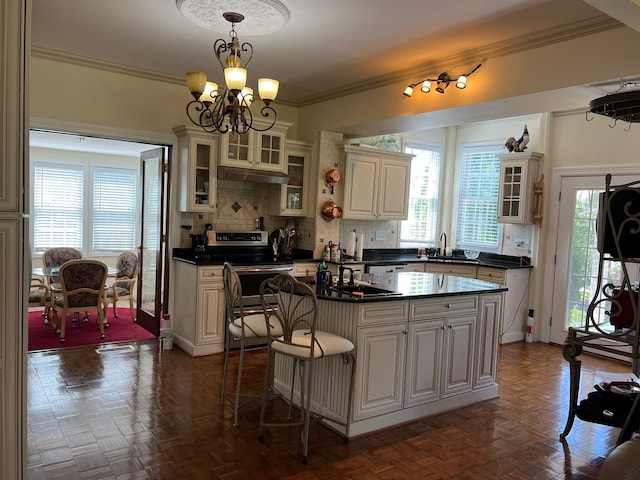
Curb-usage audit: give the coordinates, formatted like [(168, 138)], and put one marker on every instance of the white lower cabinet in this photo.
[(487, 330), (380, 370), (451, 269), (424, 362), (444, 348), (198, 320), (514, 302), (457, 367)]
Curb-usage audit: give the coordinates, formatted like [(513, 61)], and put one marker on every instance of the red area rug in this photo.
[(42, 337)]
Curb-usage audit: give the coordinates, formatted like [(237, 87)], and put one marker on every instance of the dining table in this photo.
[(55, 271)]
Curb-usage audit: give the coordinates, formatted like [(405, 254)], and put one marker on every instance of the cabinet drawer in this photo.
[(438, 307), (210, 274), (495, 275), (383, 312), (448, 269), (307, 269)]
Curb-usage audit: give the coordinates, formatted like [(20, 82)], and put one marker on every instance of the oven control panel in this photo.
[(253, 237)]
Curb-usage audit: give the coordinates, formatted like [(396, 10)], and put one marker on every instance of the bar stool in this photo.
[(239, 326), (299, 340)]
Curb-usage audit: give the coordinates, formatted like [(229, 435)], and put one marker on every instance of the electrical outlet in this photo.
[(521, 243), (381, 235)]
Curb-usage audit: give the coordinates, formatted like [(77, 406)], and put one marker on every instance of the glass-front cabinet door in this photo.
[(197, 169), (518, 174), (292, 198), (255, 149)]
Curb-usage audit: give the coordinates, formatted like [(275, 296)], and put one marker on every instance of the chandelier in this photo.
[(222, 110), (442, 82)]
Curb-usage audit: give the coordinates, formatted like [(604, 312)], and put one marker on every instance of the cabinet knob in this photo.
[(448, 305)]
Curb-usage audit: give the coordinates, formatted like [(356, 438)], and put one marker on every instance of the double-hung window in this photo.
[(419, 230), (477, 224), (88, 206)]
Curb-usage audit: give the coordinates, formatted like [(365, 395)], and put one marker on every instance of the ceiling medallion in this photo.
[(261, 16)]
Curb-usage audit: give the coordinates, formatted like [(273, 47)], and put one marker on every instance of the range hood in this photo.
[(251, 176)]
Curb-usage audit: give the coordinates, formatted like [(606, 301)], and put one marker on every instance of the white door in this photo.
[(576, 268)]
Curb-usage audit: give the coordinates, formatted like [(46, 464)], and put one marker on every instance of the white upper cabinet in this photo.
[(197, 154), (292, 198), (518, 173), (256, 150), (376, 184)]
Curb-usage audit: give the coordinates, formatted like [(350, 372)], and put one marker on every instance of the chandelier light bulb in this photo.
[(408, 91), (268, 89), (462, 81), (236, 78), (245, 97), (196, 82), (426, 86), (209, 93)]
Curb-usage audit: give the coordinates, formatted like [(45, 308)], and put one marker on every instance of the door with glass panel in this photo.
[(577, 256), (152, 267)]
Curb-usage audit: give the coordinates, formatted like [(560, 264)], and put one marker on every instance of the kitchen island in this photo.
[(429, 347)]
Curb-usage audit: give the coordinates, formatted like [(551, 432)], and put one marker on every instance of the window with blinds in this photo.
[(89, 207), (477, 209), (419, 230), (58, 206), (114, 209)]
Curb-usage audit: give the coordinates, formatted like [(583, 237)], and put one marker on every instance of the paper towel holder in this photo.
[(331, 178)]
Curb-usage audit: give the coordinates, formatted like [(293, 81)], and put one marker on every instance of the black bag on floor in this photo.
[(605, 407)]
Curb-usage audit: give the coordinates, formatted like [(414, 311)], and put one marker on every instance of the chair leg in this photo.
[(305, 403), (133, 315), (61, 326), (225, 368), (268, 380), (352, 361), (293, 382), (236, 404), (115, 308), (100, 320)]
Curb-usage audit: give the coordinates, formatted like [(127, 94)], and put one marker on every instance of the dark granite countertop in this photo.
[(387, 256), (416, 285)]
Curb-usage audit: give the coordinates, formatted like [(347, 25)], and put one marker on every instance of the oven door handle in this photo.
[(265, 269)]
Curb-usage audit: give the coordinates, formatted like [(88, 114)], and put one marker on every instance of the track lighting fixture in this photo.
[(442, 82)]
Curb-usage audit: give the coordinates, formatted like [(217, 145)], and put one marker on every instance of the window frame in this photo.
[(432, 147), (477, 147)]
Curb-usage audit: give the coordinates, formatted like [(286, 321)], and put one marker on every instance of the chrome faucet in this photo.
[(444, 251)]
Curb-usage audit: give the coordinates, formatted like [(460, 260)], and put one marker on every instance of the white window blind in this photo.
[(114, 209), (57, 206), (420, 227), (479, 176), (87, 206)]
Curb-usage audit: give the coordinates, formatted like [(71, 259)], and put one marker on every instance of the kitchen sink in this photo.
[(363, 290)]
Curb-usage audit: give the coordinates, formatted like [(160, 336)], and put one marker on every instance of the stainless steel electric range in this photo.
[(255, 261)]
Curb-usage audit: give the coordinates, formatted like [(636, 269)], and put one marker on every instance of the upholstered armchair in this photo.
[(122, 287), (82, 285), (39, 296), (55, 257)]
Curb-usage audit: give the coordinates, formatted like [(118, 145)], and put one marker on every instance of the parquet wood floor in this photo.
[(135, 411)]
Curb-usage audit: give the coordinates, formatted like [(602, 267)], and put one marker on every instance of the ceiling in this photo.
[(323, 48)]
